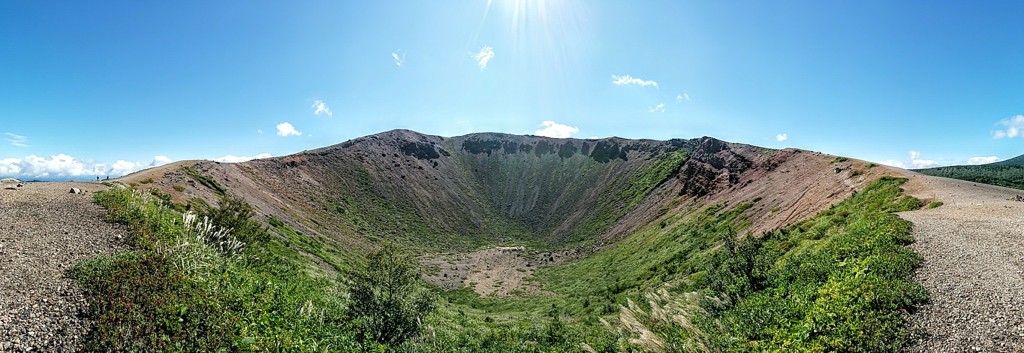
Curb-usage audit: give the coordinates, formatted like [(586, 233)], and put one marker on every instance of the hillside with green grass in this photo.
[(321, 254)]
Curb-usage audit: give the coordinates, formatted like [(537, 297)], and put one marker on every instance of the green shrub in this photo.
[(386, 301), (140, 303), (935, 204), (175, 293), (235, 214)]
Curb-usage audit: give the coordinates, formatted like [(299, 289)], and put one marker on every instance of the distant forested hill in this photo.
[(1018, 160), (1009, 173)]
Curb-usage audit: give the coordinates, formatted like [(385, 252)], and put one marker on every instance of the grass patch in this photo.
[(934, 204), (177, 292), (205, 180)]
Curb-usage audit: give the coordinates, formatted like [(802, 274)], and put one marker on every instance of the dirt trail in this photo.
[(973, 249), (44, 231)]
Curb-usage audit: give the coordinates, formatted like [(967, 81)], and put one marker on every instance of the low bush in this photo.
[(386, 303)]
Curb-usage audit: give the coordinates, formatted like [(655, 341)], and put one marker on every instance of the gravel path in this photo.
[(44, 231), (973, 249)]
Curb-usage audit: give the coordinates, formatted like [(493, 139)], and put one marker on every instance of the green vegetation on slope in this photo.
[(178, 291), (205, 180), (627, 192), (837, 282), (1002, 175), (370, 208), (540, 193), (840, 281)]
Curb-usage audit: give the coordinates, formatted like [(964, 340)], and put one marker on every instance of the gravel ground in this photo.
[(44, 231), (973, 249)]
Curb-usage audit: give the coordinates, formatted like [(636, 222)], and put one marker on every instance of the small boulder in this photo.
[(75, 191)]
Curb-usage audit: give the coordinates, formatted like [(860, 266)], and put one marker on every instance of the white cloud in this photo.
[(630, 80), (399, 58), (63, 166), (483, 56), (160, 160), (1013, 128), (259, 131), (286, 129), (982, 160), (782, 137), (319, 107), (660, 108), (917, 162), (122, 167), (894, 163), (685, 97), (556, 130), (237, 159), (17, 140)]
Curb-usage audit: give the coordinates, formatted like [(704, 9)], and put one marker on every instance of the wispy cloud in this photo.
[(627, 80), (17, 140), (286, 129), (684, 97), (917, 162), (982, 160), (556, 130), (782, 137), (398, 56), (483, 56), (660, 108), (319, 107), (259, 131), (238, 159)]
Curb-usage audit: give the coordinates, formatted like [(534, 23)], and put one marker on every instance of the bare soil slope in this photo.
[(973, 249), (44, 231)]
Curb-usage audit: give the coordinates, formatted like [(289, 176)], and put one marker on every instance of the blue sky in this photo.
[(113, 86)]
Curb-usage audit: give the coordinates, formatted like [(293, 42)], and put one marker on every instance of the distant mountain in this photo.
[(1018, 160)]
